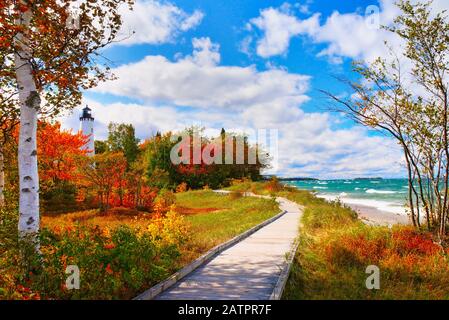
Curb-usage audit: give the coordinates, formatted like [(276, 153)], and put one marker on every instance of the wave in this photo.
[(380, 191), (381, 205), (320, 187)]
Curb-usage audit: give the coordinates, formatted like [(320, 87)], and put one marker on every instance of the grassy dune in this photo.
[(336, 248)]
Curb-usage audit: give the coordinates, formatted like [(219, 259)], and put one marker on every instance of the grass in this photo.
[(221, 217), (211, 218), (114, 219), (335, 249), (124, 252)]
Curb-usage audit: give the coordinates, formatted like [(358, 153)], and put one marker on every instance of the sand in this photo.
[(374, 216), (370, 214)]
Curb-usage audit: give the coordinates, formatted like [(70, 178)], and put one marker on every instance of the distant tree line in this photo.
[(152, 158)]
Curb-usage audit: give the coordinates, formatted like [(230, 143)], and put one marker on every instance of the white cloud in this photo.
[(155, 22), (346, 34), (198, 81), (245, 45), (308, 146), (192, 21), (351, 35), (241, 99), (279, 26), (205, 53)]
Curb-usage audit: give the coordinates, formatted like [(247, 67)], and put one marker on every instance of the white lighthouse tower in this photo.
[(87, 129)]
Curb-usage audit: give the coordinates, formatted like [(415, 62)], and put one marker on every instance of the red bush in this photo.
[(356, 249), (409, 241)]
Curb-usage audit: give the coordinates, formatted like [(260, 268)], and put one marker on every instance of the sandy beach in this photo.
[(375, 216), (371, 214), (377, 201)]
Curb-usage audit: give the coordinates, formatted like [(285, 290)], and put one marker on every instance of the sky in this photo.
[(247, 65)]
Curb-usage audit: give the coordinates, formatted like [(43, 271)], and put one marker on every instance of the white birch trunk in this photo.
[(29, 107)]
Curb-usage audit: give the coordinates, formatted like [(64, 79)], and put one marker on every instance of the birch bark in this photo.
[(29, 100)]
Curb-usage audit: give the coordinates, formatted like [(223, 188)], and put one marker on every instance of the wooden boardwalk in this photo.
[(249, 270)]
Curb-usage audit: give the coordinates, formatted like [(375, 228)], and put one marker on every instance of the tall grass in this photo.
[(335, 248)]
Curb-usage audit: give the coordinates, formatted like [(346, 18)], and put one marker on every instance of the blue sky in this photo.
[(250, 65), (224, 22)]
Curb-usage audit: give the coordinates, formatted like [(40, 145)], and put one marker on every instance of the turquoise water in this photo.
[(383, 194)]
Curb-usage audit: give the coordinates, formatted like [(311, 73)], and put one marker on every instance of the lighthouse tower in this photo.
[(87, 129)]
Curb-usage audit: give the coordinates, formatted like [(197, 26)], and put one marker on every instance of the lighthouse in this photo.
[(87, 129)]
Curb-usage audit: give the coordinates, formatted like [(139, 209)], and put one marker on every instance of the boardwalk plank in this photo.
[(248, 270)]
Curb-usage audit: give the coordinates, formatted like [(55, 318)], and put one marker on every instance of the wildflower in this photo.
[(109, 246), (69, 229), (57, 230), (106, 232), (64, 260), (109, 269), (35, 296)]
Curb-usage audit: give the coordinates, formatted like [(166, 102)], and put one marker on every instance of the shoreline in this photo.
[(370, 211), (374, 216), (371, 214)]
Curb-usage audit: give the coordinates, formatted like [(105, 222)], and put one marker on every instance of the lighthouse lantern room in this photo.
[(87, 129)]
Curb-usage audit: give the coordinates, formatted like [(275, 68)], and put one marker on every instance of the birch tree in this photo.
[(405, 95), (51, 53)]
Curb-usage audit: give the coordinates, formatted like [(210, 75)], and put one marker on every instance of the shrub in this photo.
[(60, 198), (273, 185), (240, 184), (114, 264), (358, 249), (169, 230), (234, 195), (406, 240), (330, 215), (182, 187), (165, 199)]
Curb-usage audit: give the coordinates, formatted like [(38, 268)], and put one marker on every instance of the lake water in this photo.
[(383, 194)]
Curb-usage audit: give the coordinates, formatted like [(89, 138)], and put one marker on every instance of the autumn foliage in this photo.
[(62, 42), (336, 248), (71, 180), (58, 150)]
